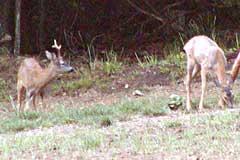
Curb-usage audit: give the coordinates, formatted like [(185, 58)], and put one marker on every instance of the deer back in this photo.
[(205, 51), (29, 72)]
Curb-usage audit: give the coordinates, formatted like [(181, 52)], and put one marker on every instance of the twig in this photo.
[(145, 12)]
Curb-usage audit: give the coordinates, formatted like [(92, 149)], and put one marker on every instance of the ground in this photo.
[(111, 123)]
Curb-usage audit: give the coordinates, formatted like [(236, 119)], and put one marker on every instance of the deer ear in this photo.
[(50, 56)]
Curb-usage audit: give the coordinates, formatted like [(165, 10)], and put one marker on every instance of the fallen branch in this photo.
[(145, 12)]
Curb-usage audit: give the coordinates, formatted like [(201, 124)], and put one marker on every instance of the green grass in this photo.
[(81, 141), (97, 115), (84, 82), (98, 132), (148, 61), (206, 135), (3, 89)]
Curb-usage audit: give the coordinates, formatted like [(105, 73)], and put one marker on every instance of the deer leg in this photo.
[(41, 93), (34, 101), (29, 98), (204, 82), (196, 70), (20, 93), (190, 67)]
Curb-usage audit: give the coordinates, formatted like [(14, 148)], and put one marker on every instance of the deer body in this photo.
[(204, 55), (32, 78)]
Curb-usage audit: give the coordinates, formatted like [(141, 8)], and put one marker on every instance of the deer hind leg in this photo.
[(190, 67), (204, 82)]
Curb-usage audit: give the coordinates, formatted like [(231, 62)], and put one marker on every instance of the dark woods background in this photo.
[(127, 26)]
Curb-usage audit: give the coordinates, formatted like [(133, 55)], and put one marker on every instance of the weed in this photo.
[(237, 44), (148, 61), (173, 124), (111, 65), (106, 121)]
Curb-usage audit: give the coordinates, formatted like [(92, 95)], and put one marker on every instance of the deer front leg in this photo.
[(41, 93), (20, 93), (34, 101), (204, 82), (188, 84)]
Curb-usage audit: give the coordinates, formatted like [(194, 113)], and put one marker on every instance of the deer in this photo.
[(32, 78), (205, 56)]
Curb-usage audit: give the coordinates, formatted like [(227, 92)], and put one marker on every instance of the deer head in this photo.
[(57, 61), (226, 91), (226, 97)]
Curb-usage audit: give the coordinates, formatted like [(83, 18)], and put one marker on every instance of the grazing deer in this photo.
[(32, 78), (203, 54), (235, 68)]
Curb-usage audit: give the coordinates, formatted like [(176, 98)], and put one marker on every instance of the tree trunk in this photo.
[(17, 27), (41, 26)]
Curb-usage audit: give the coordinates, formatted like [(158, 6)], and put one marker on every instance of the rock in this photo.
[(137, 93)]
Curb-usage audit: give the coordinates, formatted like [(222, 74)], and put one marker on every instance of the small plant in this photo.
[(112, 65), (106, 121), (148, 61), (173, 124), (237, 44), (175, 101), (158, 111)]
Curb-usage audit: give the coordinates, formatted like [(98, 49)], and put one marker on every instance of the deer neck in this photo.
[(48, 75), (221, 74)]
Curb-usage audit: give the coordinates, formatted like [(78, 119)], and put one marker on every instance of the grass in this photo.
[(205, 136), (148, 61), (96, 115), (111, 65), (3, 89)]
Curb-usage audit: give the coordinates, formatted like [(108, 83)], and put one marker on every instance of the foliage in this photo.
[(3, 89), (111, 65), (148, 61), (174, 64), (134, 25)]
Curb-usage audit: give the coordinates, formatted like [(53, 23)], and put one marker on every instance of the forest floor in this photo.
[(96, 121)]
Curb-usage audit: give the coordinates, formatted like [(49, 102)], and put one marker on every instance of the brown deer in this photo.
[(32, 78), (204, 55), (235, 68)]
